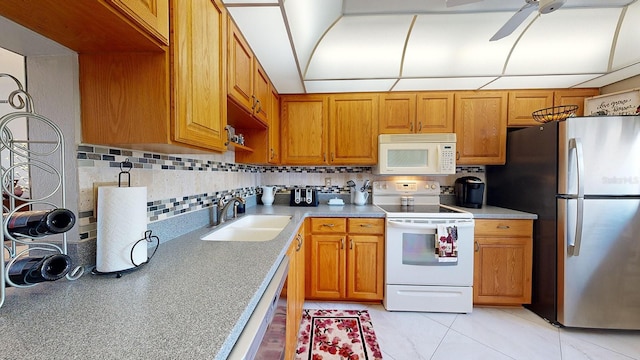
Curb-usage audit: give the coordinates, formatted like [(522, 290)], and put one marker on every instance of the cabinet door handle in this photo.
[(420, 126), (411, 126), (332, 156), (299, 238), (273, 154), (324, 157), (477, 246), (258, 106), (342, 243), (351, 244), (366, 225), (457, 155), (329, 225), (253, 102), (503, 227)]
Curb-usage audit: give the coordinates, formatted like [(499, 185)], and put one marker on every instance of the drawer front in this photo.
[(328, 225), (366, 226), (504, 227)]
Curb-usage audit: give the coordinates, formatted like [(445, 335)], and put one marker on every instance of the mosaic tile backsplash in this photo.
[(177, 185)]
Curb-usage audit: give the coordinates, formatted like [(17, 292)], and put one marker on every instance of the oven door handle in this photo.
[(406, 225)]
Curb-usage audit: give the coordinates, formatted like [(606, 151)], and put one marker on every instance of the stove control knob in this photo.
[(433, 187)]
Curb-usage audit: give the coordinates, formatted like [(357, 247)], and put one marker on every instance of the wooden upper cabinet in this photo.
[(574, 97), (397, 113), (95, 26), (241, 68), (248, 84), (423, 112), (198, 73), (353, 126), (151, 15), (435, 112), (523, 103), (261, 93), (481, 127), (304, 124), (274, 129), (173, 102)]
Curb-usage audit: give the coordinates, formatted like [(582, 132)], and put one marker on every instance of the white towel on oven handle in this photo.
[(447, 243)]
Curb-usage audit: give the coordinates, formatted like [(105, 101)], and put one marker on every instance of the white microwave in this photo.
[(416, 154)]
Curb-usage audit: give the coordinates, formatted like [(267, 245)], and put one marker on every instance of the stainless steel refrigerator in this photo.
[(582, 178)]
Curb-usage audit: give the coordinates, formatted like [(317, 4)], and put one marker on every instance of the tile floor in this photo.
[(488, 333)]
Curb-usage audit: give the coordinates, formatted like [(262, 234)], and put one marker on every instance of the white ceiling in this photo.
[(316, 46)]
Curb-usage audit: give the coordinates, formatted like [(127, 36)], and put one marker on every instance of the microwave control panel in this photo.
[(448, 159)]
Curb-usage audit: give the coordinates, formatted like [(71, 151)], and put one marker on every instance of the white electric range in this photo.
[(428, 248)]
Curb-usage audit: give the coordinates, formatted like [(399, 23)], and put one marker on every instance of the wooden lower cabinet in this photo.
[(345, 259), (502, 262), (295, 292)]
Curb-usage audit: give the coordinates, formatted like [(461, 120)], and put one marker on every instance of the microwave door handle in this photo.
[(406, 225)]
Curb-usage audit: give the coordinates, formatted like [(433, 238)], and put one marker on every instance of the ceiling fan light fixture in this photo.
[(547, 6)]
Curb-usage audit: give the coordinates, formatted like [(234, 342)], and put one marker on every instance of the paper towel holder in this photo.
[(125, 171), (128, 165)]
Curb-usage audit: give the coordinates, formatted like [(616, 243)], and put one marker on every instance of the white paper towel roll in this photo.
[(122, 221)]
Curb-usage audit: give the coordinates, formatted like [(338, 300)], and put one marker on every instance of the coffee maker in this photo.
[(469, 191)]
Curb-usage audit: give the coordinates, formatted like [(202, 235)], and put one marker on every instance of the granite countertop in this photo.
[(191, 301), (494, 212)]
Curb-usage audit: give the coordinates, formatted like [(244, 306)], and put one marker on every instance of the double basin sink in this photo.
[(250, 228)]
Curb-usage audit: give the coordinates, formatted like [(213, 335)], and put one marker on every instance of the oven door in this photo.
[(412, 258)]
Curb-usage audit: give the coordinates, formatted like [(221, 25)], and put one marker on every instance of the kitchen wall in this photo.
[(182, 190)]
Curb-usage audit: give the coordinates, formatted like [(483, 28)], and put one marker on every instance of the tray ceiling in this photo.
[(315, 46)]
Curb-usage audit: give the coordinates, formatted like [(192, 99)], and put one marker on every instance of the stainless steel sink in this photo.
[(250, 228)]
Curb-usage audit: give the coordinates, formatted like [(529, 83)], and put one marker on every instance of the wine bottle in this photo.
[(32, 270), (40, 222)]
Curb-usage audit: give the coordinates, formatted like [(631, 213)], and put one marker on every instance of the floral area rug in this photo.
[(337, 334)]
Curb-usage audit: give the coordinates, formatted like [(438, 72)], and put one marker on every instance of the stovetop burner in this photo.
[(426, 209), (425, 194)]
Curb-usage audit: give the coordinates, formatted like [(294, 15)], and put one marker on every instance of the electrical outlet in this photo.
[(96, 185), (327, 182)]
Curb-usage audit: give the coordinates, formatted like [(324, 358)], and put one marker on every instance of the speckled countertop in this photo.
[(494, 212), (190, 302)]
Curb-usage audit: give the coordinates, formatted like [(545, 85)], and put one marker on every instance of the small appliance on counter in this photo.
[(303, 197), (469, 191)]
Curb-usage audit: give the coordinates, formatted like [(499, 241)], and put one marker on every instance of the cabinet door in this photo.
[(326, 268), (523, 103), (502, 270), (304, 129), (481, 127), (198, 69), (574, 97), (151, 15), (241, 69), (435, 112), (397, 113), (353, 126), (274, 128), (262, 93), (365, 266), (295, 292)]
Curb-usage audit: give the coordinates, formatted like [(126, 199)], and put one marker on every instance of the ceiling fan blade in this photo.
[(452, 3), (515, 21)]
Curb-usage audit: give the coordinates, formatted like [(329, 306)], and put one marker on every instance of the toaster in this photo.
[(303, 197)]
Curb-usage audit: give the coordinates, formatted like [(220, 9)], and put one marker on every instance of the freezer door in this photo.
[(598, 288), (599, 154)]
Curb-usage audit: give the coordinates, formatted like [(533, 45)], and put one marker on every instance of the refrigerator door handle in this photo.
[(575, 156), (575, 146)]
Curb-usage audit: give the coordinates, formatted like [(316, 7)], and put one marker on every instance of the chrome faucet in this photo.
[(223, 208)]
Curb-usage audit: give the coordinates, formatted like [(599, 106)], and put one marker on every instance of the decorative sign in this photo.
[(620, 103)]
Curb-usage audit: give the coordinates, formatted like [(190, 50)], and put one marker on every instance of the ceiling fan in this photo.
[(543, 7)]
